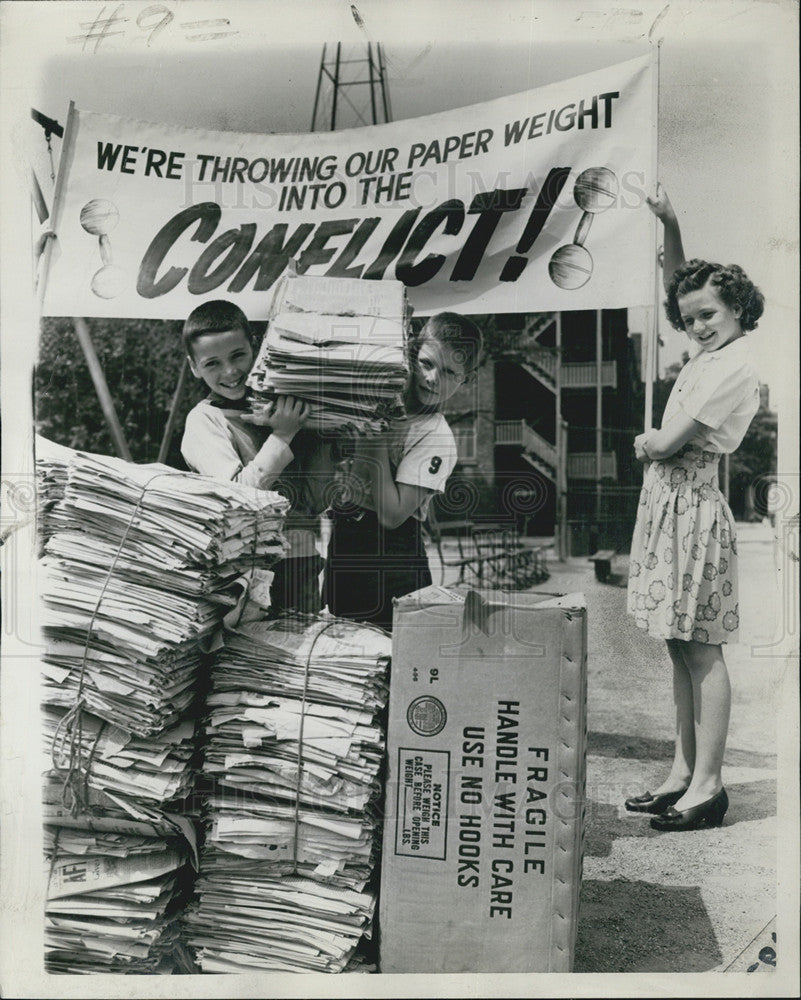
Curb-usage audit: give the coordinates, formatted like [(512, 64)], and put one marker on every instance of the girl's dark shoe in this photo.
[(709, 813), (648, 803)]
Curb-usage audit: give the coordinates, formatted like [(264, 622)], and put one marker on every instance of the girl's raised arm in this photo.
[(674, 251)]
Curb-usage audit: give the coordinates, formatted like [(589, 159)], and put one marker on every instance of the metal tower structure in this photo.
[(341, 100)]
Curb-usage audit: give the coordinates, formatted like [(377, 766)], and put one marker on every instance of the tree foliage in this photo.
[(753, 465), (141, 360)]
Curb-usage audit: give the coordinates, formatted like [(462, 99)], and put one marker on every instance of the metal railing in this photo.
[(520, 432), (509, 431), (582, 374), (541, 363), (582, 465)]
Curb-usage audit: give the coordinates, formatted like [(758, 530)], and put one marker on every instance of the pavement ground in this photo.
[(679, 902)]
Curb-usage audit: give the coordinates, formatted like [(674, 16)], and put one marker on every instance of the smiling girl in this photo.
[(683, 568)]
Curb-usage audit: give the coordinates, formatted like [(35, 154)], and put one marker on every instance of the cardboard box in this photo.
[(482, 852)]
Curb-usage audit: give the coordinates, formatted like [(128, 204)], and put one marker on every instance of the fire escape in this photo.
[(543, 366)]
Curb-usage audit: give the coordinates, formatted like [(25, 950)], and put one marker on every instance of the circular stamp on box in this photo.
[(426, 716)]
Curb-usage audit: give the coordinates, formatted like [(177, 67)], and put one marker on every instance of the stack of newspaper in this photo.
[(116, 846), (52, 465), (170, 522), (341, 344), (294, 747), (132, 784), (112, 907), (143, 565), (140, 566), (345, 658)]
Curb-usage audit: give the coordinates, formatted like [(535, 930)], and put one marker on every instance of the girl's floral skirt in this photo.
[(683, 567)]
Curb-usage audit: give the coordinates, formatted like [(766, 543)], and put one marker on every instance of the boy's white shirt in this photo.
[(423, 453), (219, 444)]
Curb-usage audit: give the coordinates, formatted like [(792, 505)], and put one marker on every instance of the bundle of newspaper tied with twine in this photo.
[(140, 564), (295, 747), (340, 344)]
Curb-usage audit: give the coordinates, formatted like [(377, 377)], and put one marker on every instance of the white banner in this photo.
[(523, 204)]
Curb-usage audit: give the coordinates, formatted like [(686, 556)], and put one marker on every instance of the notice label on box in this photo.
[(422, 803)]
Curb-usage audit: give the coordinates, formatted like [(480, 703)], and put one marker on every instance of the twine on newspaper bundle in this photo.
[(68, 738), (307, 669), (255, 546), (75, 790)]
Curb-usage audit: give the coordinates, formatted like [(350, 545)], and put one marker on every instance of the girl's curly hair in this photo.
[(731, 283)]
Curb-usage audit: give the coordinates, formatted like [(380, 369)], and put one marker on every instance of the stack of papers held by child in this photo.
[(341, 344), (294, 748)]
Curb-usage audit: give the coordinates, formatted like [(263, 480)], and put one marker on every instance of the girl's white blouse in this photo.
[(720, 389)]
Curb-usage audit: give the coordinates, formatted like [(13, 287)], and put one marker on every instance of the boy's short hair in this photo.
[(731, 283), (216, 316), (460, 333)]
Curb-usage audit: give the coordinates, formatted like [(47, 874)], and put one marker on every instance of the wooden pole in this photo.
[(384, 87), (80, 324), (599, 412), (372, 81), (57, 204), (650, 342), (170, 425), (336, 88), (101, 388), (561, 452), (564, 540), (42, 211)]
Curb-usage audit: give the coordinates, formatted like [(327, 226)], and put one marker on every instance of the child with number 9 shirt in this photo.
[(230, 436), (376, 549)]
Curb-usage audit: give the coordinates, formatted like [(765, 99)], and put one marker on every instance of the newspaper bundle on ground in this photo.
[(52, 464), (345, 658), (340, 344), (294, 749), (112, 906), (177, 528), (141, 564)]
